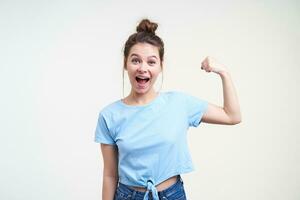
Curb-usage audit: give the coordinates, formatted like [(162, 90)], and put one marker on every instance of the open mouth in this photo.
[(142, 80)]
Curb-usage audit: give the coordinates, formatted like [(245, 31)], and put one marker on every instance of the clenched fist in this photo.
[(210, 64)]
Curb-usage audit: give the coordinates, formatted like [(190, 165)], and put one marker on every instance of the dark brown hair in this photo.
[(145, 34)]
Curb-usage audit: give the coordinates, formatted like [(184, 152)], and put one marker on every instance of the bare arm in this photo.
[(230, 112), (110, 171)]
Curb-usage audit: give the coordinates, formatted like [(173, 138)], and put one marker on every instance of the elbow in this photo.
[(236, 120), (234, 117)]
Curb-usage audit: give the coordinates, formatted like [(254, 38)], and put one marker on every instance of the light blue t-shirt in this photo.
[(151, 138)]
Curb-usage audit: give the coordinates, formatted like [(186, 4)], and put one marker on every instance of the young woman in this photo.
[(143, 136)]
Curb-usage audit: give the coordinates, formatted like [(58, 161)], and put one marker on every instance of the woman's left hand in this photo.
[(210, 64)]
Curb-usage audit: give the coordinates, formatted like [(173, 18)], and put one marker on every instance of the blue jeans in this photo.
[(174, 192)]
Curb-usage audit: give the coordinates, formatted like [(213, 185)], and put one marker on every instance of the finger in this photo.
[(206, 69), (202, 65), (206, 66)]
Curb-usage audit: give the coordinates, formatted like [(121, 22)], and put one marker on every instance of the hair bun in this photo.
[(146, 26)]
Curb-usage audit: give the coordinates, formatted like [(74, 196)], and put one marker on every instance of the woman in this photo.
[(143, 136)]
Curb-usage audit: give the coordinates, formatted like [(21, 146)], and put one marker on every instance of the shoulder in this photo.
[(174, 97), (108, 109), (186, 98), (176, 94)]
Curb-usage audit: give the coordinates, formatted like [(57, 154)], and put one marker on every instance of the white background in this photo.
[(61, 62)]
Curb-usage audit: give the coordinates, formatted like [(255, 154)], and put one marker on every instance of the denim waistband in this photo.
[(140, 195)]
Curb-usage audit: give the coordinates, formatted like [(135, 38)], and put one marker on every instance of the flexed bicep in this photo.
[(217, 115)]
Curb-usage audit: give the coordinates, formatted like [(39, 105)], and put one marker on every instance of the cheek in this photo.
[(156, 71), (129, 64), (131, 67), (131, 74)]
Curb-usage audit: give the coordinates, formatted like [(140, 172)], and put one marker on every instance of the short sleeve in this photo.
[(102, 134), (195, 107)]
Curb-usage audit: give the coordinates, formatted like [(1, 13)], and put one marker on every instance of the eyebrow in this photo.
[(139, 56)]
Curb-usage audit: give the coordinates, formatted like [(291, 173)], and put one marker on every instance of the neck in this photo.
[(141, 99)]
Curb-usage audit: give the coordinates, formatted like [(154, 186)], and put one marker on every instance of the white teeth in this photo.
[(142, 77)]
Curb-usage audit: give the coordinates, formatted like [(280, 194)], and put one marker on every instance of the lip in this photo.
[(142, 76), (142, 86)]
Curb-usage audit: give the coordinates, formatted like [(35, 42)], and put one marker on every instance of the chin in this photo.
[(139, 91), (142, 91)]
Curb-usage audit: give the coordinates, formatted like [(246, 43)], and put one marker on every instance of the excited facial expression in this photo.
[(143, 66)]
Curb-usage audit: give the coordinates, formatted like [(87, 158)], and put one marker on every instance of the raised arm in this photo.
[(230, 113)]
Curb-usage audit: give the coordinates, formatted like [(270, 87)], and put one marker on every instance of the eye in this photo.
[(135, 60), (152, 62)]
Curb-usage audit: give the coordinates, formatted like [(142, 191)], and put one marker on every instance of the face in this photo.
[(143, 66)]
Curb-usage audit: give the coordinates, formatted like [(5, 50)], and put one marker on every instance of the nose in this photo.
[(142, 68)]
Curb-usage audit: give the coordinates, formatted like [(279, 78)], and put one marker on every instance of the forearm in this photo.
[(109, 187), (231, 104)]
